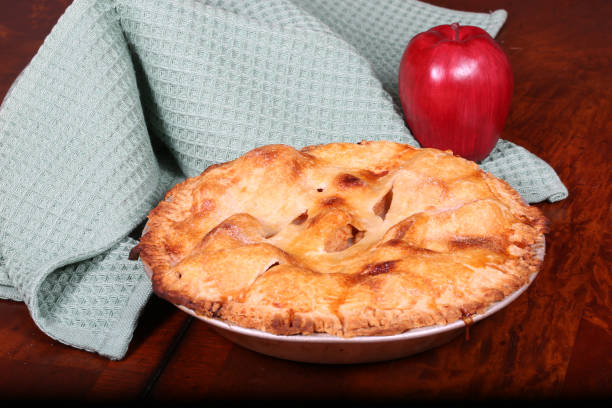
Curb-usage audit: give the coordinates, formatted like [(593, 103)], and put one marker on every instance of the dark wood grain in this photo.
[(553, 342), (592, 350), (32, 365)]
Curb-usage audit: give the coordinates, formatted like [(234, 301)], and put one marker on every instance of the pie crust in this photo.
[(372, 238)]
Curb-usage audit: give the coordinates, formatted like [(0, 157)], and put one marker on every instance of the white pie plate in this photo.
[(327, 349)]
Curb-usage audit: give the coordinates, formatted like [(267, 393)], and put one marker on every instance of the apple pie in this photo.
[(372, 238)]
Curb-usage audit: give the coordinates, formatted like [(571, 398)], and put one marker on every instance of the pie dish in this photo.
[(366, 239)]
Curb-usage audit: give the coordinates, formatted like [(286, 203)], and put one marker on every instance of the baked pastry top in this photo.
[(373, 238)]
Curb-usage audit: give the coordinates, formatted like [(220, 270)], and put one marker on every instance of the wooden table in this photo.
[(555, 341)]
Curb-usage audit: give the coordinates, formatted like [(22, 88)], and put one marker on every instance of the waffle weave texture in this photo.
[(125, 98)]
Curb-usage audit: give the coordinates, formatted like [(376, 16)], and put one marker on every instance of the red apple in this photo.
[(455, 86)]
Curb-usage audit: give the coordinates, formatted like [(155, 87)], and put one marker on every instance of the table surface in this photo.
[(553, 342)]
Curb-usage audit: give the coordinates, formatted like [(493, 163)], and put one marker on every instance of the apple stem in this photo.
[(455, 26)]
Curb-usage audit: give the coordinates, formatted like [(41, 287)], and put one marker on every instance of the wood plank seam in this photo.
[(178, 337)]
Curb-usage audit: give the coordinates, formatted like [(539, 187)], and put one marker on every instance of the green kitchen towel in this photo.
[(127, 97)]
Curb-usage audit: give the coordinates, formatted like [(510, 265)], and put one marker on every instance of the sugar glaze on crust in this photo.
[(364, 239)]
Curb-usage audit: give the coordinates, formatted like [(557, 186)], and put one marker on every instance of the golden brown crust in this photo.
[(360, 239)]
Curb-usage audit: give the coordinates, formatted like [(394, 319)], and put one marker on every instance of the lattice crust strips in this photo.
[(348, 239)]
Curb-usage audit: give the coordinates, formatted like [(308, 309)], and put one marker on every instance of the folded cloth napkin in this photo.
[(208, 80)]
